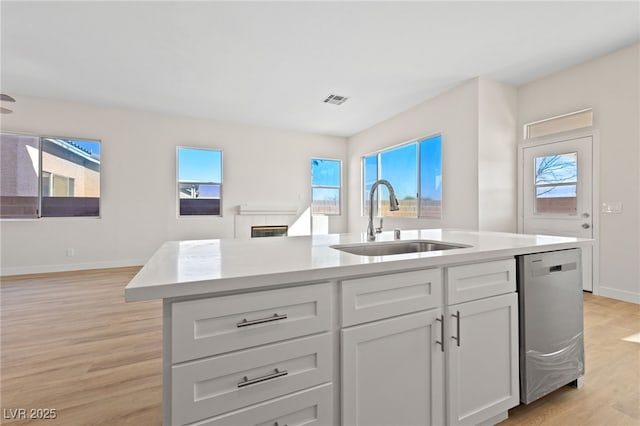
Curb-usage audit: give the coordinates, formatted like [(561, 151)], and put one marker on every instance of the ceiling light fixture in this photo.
[(335, 99), (6, 98)]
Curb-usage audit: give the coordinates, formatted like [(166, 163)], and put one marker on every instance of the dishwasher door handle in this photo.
[(539, 271)]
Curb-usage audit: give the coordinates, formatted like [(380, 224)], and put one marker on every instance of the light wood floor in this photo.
[(70, 342)]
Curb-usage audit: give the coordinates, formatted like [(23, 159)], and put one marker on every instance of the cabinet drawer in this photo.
[(217, 325), (312, 407), (479, 280), (384, 296), (221, 384)]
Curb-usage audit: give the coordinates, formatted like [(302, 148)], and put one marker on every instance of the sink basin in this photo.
[(385, 248)]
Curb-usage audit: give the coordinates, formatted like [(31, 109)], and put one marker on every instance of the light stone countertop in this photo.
[(199, 267)]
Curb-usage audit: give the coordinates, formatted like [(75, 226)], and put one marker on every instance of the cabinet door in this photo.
[(482, 359), (392, 372)]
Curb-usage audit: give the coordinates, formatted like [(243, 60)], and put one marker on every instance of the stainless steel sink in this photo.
[(385, 248)]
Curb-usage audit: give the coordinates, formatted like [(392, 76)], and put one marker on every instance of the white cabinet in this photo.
[(482, 348), (392, 372), (434, 346), (249, 359), (392, 369)]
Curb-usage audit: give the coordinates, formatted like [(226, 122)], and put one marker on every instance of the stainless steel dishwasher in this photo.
[(551, 322)]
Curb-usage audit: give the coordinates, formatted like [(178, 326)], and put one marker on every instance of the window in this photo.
[(49, 177), (325, 187), (561, 123), (370, 171), (199, 181), (556, 178), (56, 185), (431, 177), (415, 172), (399, 167), (71, 174)]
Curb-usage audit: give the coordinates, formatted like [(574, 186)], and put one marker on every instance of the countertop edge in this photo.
[(291, 278)]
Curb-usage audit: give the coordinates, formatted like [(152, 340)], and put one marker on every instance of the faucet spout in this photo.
[(393, 206)]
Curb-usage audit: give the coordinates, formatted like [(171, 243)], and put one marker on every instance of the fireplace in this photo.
[(269, 231)]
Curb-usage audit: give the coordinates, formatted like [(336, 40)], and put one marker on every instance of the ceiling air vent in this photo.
[(335, 99)]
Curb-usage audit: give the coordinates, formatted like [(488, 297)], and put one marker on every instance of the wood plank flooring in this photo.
[(70, 342)]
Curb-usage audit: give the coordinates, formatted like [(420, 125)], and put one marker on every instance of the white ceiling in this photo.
[(273, 63)]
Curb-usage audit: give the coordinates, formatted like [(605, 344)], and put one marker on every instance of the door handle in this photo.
[(586, 226)]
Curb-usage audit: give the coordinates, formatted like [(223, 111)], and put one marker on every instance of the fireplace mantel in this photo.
[(266, 209), (248, 215)]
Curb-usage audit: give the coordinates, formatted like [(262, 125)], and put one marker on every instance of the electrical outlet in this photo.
[(71, 252)]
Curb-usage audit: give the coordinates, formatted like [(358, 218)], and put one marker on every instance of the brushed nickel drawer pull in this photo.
[(246, 381), (440, 342), (457, 337), (275, 317)]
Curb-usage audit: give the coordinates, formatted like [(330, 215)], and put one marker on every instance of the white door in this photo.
[(558, 193), (392, 371)]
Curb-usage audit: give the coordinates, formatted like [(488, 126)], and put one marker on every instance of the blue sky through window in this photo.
[(559, 168), (325, 172), (431, 168), (325, 186), (90, 146), (199, 165), (399, 167)]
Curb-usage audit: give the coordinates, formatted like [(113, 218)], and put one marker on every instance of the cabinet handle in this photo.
[(278, 424), (275, 317), (441, 319), (457, 336), (246, 381)]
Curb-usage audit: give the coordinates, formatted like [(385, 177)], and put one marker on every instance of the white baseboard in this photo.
[(614, 293), (44, 269)]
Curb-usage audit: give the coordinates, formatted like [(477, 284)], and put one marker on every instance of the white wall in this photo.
[(138, 202), (611, 86), (477, 123), (497, 157)]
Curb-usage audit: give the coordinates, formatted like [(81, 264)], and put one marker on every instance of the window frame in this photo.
[(178, 182), (528, 128), (575, 182), (38, 215), (339, 188), (364, 199)]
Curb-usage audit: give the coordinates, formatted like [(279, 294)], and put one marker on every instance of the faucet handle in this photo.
[(379, 229)]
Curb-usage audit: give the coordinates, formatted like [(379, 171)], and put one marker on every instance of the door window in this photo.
[(556, 182)]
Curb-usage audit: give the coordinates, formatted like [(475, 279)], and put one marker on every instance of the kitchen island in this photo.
[(293, 331)]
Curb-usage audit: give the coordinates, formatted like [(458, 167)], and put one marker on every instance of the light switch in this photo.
[(611, 207)]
